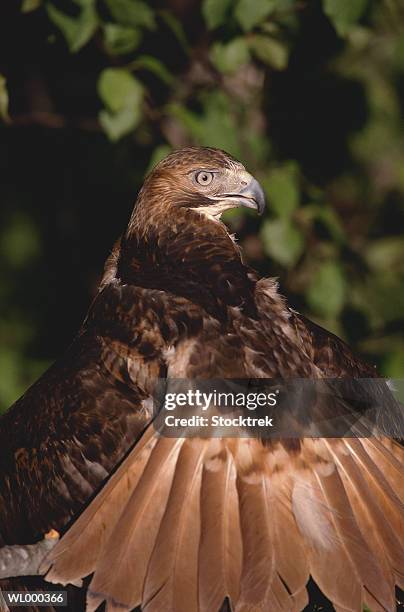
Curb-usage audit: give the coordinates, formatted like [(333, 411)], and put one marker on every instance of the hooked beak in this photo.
[(251, 196)]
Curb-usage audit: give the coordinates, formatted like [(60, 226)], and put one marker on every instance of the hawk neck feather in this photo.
[(188, 255)]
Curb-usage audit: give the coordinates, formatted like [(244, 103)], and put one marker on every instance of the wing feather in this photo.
[(131, 542), (365, 482), (367, 568), (93, 527), (172, 575), (262, 517)]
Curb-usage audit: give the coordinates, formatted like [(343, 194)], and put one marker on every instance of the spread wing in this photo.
[(64, 436), (184, 523), (61, 440), (224, 518), (331, 354)]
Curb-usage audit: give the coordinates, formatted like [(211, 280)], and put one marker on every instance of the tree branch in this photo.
[(20, 560)]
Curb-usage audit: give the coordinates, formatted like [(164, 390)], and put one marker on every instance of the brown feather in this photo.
[(384, 509), (256, 527), (316, 506), (172, 576), (220, 555), (93, 527), (288, 541), (329, 563), (366, 568), (277, 596), (300, 600), (131, 543), (385, 454)]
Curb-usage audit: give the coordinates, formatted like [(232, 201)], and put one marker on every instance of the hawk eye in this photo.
[(204, 178)]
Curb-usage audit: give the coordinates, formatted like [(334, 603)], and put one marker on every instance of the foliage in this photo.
[(3, 99), (308, 94)]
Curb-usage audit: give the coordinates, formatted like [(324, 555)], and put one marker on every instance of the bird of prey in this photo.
[(186, 524)]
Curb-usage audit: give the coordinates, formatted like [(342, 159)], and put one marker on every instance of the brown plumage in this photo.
[(184, 523)]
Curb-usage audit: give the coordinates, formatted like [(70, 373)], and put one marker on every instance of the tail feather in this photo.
[(288, 541), (220, 550), (300, 600), (172, 575), (328, 560), (205, 520), (257, 531)]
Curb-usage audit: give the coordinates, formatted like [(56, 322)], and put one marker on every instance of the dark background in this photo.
[(309, 95)]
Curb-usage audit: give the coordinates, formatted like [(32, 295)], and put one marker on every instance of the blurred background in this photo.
[(308, 94)]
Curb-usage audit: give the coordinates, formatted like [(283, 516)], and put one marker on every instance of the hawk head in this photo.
[(206, 180)]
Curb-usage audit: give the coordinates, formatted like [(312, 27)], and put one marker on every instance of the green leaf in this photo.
[(270, 51), (282, 241), (328, 218), (386, 254), (118, 89), (132, 13), (120, 123), (30, 5), (327, 290), (215, 127), (327, 215), (77, 31), (154, 65), (4, 99), (176, 28), (215, 12), (230, 57), (282, 190), (119, 39), (122, 94), (344, 14), (380, 296), (250, 13)]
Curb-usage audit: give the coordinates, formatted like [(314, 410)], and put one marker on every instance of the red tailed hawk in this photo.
[(184, 524)]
